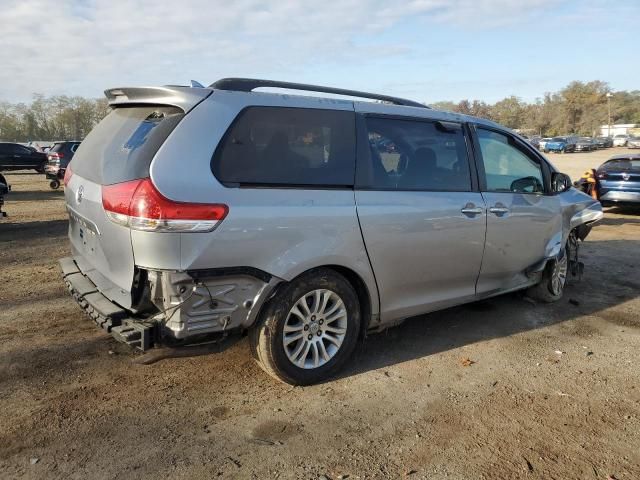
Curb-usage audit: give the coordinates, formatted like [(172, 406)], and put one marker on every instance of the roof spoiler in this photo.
[(184, 98)]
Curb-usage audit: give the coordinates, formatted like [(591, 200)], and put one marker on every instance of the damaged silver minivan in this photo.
[(305, 221)]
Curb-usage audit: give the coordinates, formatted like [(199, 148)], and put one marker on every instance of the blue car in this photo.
[(560, 145), (619, 181)]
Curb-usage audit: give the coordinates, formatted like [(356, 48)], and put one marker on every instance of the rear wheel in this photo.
[(54, 184), (309, 329)]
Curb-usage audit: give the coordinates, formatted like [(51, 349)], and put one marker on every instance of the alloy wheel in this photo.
[(315, 329)]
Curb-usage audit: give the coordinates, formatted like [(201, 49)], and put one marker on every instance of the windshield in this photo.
[(620, 136), (558, 139), (623, 164)]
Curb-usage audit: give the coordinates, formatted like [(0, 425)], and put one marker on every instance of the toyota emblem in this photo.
[(79, 194)]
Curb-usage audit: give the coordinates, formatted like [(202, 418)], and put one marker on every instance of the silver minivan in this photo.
[(305, 221)]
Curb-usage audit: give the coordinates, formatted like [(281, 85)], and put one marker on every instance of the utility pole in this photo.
[(609, 95)]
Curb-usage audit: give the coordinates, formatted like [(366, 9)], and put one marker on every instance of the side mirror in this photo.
[(560, 182), (527, 185)]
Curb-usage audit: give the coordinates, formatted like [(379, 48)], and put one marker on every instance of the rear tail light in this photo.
[(68, 173), (138, 205)]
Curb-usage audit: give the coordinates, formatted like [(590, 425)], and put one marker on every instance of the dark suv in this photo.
[(58, 157), (14, 156)]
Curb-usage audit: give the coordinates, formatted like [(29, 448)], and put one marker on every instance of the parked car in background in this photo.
[(543, 142), (620, 140), (535, 141), (4, 189), (633, 142), (585, 144), (619, 180), (58, 157), (204, 211), (560, 145), (604, 142), (14, 156)]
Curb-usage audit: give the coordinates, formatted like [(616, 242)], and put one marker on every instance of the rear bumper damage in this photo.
[(106, 314), (183, 307)]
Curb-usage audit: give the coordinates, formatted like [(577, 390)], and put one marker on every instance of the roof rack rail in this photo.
[(250, 84)]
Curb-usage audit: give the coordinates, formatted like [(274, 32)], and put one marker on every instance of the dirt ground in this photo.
[(553, 393)]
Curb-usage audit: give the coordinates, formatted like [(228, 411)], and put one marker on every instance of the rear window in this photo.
[(622, 164), (277, 146), (56, 147), (122, 145)]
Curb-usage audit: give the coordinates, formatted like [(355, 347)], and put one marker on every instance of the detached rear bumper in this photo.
[(106, 314)]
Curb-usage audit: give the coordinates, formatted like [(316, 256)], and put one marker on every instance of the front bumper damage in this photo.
[(182, 307)]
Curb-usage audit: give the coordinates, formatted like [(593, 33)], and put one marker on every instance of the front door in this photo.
[(422, 222), (524, 222)]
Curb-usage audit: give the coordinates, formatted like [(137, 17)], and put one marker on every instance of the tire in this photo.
[(548, 290), (267, 337), (54, 184)]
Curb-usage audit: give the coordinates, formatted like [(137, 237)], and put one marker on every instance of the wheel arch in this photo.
[(365, 298)]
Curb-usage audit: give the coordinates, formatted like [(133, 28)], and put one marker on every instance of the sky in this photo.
[(427, 50)]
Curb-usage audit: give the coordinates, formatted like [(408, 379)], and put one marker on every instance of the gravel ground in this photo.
[(498, 389)]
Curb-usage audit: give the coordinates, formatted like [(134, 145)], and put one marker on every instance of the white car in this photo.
[(543, 142), (633, 142), (620, 140)]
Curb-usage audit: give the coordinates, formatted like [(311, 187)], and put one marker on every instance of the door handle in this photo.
[(471, 209), (499, 210)]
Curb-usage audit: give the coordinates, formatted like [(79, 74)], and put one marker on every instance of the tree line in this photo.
[(580, 107), (50, 118)]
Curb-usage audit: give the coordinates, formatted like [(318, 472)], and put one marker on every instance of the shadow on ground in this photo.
[(34, 195), (33, 230), (613, 216)]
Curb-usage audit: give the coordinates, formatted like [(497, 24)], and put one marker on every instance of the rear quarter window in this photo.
[(278, 146), (120, 148)]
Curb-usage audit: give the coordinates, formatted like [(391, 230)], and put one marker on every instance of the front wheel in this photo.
[(55, 184), (309, 329), (554, 278)]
